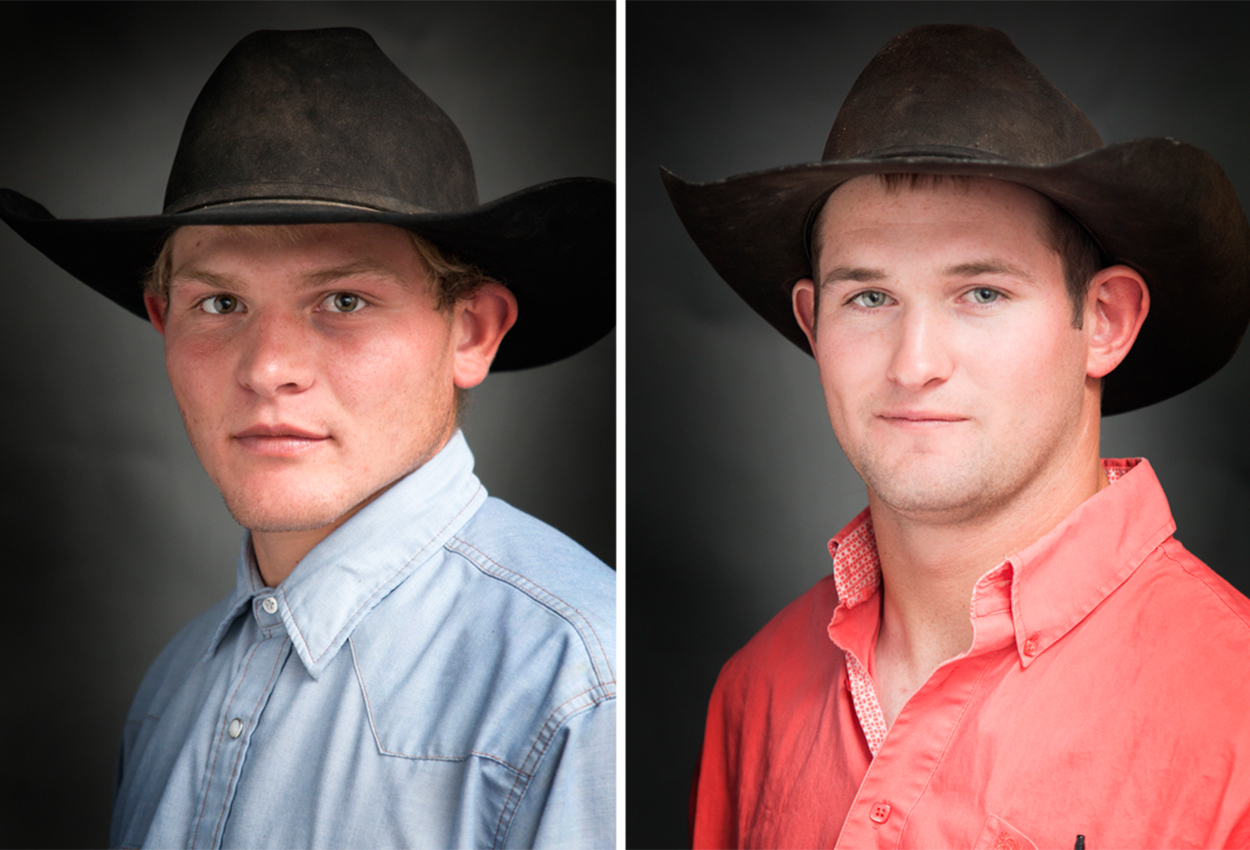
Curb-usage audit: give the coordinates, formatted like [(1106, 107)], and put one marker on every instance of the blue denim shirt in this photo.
[(438, 672)]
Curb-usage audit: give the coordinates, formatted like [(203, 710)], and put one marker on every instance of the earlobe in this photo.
[(481, 323), (1117, 305), (156, 307), (803, 299)]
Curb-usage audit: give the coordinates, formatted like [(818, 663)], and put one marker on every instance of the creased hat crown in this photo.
[(958, 91), (282, 117)]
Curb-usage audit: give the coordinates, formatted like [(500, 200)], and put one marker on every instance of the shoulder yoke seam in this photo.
[(1206, 585), (533, 590)]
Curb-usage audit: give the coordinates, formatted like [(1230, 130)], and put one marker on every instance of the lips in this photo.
[(914, 419), (279, 440)]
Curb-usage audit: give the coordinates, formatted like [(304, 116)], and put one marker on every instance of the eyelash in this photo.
[(204, 303), (854, 299), (360, 302)]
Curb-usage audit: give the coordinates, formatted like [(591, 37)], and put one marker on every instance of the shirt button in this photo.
[(235, 729), (270, 605), (880, 812), (1030, 646)]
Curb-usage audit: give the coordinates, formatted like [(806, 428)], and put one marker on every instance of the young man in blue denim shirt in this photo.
[(404, 661)]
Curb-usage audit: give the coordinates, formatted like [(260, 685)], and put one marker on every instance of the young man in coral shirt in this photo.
[(1012, 650)]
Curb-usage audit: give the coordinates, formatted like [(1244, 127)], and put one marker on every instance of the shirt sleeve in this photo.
[(571, 799)]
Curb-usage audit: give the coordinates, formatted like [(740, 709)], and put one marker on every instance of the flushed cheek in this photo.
[(385, 377)]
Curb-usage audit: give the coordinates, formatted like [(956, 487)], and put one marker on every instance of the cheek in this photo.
[(1037, 367), (851, 366), (398, 372), (197, 374)]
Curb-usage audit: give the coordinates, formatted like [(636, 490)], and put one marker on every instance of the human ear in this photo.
[(479, 326), (1115, 308), (803, 298), (156, 307)]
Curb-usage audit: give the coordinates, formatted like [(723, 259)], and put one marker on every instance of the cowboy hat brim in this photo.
[(1163, 207), (552, 244)]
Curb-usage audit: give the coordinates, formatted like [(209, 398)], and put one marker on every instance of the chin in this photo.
[(257, 510), (915, 487), (289, 518)]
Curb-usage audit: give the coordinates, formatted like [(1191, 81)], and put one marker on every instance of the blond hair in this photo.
[(453, 279)]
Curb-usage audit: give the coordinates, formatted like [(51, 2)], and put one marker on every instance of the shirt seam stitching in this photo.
[(545, 737), (594, 660), (252, 719), (377, 738), (217, 750), (1202, 580)]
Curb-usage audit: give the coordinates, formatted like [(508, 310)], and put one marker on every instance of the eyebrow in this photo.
[(861, 274), (856, 274), (309, 281), (986, 267), (327, 276)]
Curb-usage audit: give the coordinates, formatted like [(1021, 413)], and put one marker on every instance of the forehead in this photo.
[(296, 249), (974, 209)]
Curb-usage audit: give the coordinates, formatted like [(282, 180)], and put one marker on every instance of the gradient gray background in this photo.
[(735, 480), (113, 537)]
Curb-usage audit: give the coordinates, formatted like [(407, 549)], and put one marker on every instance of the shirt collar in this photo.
[(1107, 537), (1059, 579), (340, 581)]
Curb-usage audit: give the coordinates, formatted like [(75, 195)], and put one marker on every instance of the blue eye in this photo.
[(985, 295), (220, 304), (871, 298), (344, 302)]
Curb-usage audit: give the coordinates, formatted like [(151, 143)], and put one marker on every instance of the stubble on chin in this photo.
[(305, 512), (913, 487)]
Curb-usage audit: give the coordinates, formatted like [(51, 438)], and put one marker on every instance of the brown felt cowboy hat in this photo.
[(319, 126), (946, 99)]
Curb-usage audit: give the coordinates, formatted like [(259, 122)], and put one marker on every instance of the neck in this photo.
[(930, 564), (279, 552)]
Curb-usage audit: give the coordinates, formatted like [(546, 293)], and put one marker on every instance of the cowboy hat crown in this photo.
[(282, 117), (954, 99)]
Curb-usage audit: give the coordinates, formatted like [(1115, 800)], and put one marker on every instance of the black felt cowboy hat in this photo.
[(319, 126), (948, 99)]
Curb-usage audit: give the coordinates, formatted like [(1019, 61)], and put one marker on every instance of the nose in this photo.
[(921, 356), (276, 355)]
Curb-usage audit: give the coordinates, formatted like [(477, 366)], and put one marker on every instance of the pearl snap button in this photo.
[(270, 605), (235, 729)]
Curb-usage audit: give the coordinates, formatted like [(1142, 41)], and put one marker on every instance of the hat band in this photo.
[(927, 152), (291, 193)]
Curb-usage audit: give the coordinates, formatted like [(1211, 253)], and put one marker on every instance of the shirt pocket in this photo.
[(1000, 835)]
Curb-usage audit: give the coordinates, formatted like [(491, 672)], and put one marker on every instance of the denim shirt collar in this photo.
[(340, 581)]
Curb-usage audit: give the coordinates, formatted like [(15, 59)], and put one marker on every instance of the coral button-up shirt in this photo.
[(1106, 694)]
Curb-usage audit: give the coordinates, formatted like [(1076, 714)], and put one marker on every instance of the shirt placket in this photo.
[(238, 720), (907, 758)]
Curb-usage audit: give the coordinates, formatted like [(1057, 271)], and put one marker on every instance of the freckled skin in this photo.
[(373, 387)]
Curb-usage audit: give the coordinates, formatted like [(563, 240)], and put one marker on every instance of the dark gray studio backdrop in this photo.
[(112, 536), (735, 480)]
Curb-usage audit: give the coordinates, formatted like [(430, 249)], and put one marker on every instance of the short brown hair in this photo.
[(453, 278), (1077, 250)]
